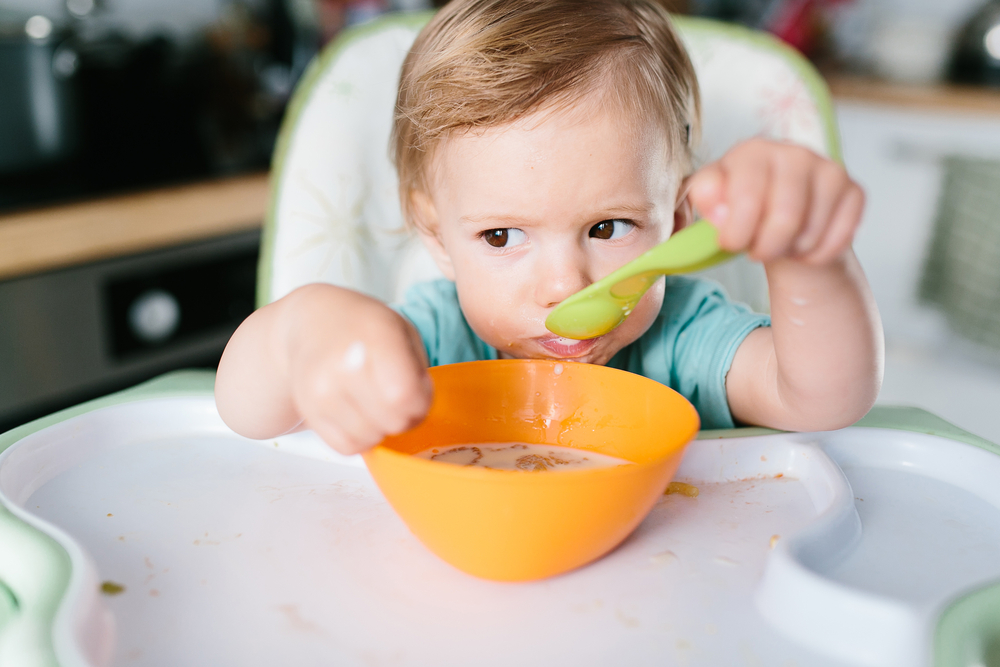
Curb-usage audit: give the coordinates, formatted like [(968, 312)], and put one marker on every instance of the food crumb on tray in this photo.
[(111, 588), (689, 490)]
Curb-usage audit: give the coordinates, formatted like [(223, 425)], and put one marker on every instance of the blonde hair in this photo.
[(484, 63)]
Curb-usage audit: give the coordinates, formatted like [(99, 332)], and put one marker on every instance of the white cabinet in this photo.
[(896, 154)]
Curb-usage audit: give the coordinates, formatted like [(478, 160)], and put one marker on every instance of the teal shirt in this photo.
[(689, 347)]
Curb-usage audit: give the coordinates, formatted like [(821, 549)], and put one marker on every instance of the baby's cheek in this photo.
[(507, 342), (642, 316), (491, 306), (488, 320)]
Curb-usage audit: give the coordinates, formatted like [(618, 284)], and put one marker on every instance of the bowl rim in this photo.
[(450, 469)]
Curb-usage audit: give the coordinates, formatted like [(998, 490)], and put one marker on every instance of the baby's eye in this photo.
[(611, 229), (508, 237)]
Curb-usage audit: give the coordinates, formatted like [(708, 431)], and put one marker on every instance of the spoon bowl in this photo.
[(602, 306)]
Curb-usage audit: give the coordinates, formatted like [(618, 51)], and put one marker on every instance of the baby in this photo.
[(540, 146)]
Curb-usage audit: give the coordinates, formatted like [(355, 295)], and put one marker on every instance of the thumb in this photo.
[(707, 192)]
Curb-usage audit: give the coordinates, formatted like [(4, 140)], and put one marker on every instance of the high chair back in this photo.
[(335, 217)]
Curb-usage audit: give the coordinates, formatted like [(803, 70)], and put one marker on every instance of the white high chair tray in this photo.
[(837, 548)]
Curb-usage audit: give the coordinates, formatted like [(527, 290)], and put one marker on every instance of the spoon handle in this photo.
[(602, 306), (692, 249)]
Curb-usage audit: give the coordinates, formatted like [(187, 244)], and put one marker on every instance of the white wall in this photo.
[(860, 25), (945, 10), (895, 154)]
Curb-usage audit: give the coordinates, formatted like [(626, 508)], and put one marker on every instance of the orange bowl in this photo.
[(518, 526)]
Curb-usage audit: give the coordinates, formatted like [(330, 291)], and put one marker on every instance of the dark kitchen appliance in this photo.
[(74, 334), (976, 56), (198, 93), (38, 65), (92, 105)]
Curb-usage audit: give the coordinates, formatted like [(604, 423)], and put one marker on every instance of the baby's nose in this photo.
[(559, 277)]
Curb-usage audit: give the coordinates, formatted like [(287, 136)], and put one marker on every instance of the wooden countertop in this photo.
[(937, 97), (60, 236)]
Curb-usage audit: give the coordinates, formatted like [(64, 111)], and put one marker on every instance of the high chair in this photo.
[(138, 530)]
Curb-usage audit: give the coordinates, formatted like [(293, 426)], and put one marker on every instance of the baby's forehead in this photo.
[(475, 164), (557, 167), (594, 110)]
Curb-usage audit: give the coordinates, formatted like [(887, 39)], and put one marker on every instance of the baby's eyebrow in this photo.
[(501, 220), (508, 220), (635, 209)]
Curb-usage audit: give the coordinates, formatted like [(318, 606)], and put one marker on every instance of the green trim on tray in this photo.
[(917, 420), (35, 569), (9, 607), (178, 383), (968, 632), (896, 417), (34, 577)]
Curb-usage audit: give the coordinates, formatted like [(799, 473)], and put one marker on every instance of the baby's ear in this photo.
[(425, 221), (683, 209)]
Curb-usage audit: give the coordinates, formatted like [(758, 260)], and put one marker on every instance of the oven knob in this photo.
[(154, 315)]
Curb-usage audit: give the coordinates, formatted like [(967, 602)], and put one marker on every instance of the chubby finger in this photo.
[(707, 193), (787, 204), (748, 175), (840, 233), (330, 410), (333, 435), (829, 185), (369, 396), (323, 397), (359, 430), (399, 374)]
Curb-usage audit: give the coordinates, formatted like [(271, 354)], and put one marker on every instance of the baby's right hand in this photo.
[(356, 369), (325, 358)]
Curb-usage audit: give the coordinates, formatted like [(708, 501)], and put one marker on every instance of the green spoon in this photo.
[(599, 308)]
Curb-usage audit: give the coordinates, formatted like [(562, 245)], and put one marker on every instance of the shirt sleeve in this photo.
[(434, 310), (691, 345)]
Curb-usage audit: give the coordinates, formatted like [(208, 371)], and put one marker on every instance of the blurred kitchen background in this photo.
[(135, 138)]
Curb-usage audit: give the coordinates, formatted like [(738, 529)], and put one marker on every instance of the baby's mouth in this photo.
[(567, 348)]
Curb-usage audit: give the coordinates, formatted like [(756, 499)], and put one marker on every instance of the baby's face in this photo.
[(524, 215)]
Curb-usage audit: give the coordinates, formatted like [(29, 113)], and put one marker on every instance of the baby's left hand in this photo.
[(775, 200)]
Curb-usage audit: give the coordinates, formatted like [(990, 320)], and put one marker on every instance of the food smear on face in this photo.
[(520, 456)]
